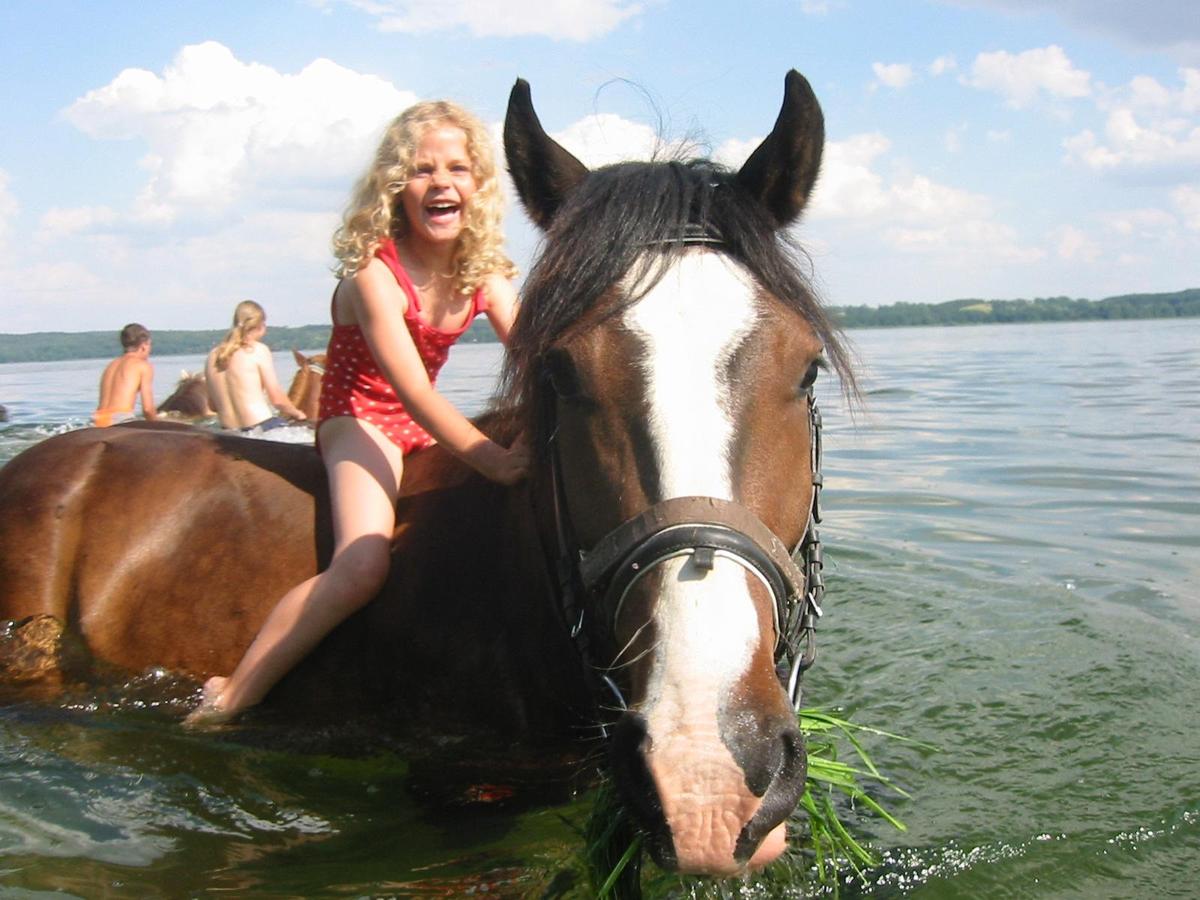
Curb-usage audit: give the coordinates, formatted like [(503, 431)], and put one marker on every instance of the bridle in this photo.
[(702, 529)]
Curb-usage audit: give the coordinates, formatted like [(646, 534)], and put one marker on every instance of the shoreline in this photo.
[(57, 346)]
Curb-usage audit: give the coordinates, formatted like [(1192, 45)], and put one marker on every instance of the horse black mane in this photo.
[(603, 232)]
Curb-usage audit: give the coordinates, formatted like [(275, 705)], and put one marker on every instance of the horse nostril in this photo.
[(794, 761), (765, 748), (781, 794)]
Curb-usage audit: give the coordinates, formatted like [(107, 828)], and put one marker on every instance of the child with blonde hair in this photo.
[(239, 375), (420, 256)]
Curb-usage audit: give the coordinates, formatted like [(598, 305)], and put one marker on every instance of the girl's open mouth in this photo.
[(442, 211)]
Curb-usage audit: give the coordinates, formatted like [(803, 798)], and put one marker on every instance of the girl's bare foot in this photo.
[(209, 711)]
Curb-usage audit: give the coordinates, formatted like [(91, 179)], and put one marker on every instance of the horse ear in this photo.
[(543, 172), (782, 171), (299, 357)]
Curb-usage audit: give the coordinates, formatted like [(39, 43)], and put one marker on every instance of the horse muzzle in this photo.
[(712, 800)]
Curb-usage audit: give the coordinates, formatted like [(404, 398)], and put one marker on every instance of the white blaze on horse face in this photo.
[(691, 323)]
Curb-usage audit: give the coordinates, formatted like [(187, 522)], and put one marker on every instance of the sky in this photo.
[(160, 162)]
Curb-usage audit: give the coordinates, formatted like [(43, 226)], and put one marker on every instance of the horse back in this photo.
[(158, 545), (165, 545)]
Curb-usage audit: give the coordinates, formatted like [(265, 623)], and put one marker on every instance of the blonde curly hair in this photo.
[(374, 209)]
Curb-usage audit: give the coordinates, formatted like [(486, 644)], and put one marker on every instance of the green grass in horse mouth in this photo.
[(614, 846)]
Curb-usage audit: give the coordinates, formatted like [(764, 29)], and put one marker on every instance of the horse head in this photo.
[(305, 390), (190, 397), (665, 351)]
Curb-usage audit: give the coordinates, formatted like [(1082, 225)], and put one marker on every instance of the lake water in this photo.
[(1012, 532)]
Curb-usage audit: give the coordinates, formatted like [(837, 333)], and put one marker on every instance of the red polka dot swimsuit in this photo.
[(353, 384)]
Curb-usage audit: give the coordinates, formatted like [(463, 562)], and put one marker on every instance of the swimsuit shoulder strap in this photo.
[(481, 301), (389, 257)]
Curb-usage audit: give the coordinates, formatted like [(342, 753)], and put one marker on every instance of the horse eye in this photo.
[(560, 371), (810, 377)]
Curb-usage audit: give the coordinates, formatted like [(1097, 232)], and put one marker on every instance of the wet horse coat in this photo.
[(664, 351)]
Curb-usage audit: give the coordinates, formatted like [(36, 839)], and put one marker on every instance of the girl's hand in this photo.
[(506, 466)]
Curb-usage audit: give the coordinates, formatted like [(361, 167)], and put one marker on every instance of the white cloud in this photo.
[(605, 138), (219, 129), (952, 140), (574, 20), (1148, 127), (1126, 143), (910, 213), (942, 65), (278, 257), (59, 277), (1138, 222), (734, 152), (59, 224), (965, 245), (1189, 95), (849, 188), (893, 75), (1074, 245), (1186, 199), (245, 171), (1023, 78), (920, 199), (1146, 93), (8, 207)]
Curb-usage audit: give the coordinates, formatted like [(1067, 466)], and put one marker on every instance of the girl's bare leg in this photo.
[(364, 471)]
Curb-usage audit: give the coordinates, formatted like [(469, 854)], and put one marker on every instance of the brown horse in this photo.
[(305, 389), (661, 364), (189, 401)]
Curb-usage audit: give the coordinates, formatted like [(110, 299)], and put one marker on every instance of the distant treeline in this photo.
[(1043, 309), (54, 345), (47, 346)]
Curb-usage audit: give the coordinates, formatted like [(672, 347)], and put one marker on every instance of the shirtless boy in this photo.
[(126, 378)]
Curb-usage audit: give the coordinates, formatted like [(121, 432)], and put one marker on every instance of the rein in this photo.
[(701, 528)]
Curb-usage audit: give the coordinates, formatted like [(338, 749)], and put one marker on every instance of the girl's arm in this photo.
[(379, 305), (502, 304), (270, 382)]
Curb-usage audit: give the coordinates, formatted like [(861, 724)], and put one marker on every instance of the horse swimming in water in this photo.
[(305, 389), (189, 400), (641, 580)]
